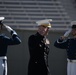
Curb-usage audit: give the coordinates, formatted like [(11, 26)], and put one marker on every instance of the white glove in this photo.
[(14, 33), (67, 33), (10, 30)]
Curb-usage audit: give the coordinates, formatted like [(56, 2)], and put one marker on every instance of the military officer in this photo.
[(6, 41), (39, 49), (69, 43)]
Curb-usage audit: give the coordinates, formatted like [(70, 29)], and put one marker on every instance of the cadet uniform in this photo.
[(38, 63), (4, 43), (70, 46)]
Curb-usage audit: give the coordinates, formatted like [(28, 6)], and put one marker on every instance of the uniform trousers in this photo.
[(71, 68), (3, 65)]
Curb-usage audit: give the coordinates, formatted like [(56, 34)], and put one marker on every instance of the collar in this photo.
[(39, 36)]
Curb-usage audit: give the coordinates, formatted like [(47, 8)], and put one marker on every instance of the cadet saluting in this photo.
[(39, 49), (4, 43), (70, 45)]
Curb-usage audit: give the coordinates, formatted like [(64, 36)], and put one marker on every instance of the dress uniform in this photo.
[(38, 63), (4, 43), (70, 45)]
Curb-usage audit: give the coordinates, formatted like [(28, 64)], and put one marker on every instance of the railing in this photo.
[(22, 14)]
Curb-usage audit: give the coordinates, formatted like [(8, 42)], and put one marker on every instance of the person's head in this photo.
[(43, 26), (73, 23), (43, 30)]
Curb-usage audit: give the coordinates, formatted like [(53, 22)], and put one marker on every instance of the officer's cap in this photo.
[(45, 22), (73, 24)]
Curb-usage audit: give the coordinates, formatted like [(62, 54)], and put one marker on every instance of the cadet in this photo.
[(70, 45), (6, 41), (39, 49)]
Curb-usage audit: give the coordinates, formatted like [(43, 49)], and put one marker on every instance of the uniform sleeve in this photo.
[(32, 42), (33, 46), (14, 40), (63, 44)]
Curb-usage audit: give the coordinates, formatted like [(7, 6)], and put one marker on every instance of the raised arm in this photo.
[(61, 43), (14, 39)]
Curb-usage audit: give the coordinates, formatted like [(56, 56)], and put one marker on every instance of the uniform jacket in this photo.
[(69, 45), (6, 41), (38, 62)]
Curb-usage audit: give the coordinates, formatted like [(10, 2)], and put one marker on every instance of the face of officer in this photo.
[(74, 32), (43, 30), (1, 26)]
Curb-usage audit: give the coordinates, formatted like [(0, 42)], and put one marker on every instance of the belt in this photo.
[(73, 61), (3, 57)]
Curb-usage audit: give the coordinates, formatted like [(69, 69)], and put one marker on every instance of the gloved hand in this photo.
[(13, 33), (67, 33), (10, 30)]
